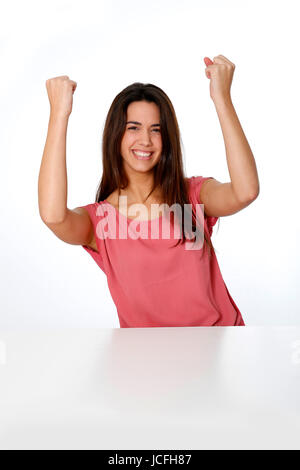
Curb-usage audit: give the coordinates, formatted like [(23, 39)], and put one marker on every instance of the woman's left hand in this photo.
[(220, 72)]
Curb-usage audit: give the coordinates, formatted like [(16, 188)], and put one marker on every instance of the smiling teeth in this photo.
[(142, 154)]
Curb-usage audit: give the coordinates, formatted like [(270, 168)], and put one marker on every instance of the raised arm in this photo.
[(72, 226), (221, 199)]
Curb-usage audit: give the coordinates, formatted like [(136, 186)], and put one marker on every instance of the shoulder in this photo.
[(113, 198), (197, 185)]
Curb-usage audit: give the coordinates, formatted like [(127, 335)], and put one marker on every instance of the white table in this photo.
[(150, 388)]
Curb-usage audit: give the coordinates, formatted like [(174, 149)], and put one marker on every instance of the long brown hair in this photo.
[(168, 172)]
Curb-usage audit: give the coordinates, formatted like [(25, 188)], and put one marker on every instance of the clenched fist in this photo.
[(220, 72), (60, 93)]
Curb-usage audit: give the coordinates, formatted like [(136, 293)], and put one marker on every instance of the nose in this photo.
[(145, 137)]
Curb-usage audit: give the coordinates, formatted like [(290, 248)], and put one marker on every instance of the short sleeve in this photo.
[(92, 210), (195, 183)]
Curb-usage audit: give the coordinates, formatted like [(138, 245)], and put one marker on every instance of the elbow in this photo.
[(251, 195), (52, 217), (248, 195), (48, 220), (255, 193)]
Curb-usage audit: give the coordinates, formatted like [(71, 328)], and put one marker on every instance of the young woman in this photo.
[(154, 281)]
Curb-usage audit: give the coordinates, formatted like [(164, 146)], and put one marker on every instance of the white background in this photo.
[(104, 47)]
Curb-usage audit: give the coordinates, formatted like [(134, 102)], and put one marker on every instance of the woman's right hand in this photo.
[(60, 93)]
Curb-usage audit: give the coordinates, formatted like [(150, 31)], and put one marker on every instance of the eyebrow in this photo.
[(139, 123)]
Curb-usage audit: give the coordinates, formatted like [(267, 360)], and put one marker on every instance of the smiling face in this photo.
[(142, 134)]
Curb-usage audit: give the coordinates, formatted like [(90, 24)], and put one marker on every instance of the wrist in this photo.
[(222, 101), (58, 116)]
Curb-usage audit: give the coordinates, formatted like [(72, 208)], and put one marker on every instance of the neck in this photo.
[(138, 188)]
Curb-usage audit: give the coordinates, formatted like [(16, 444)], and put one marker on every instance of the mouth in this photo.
[(142, 155)]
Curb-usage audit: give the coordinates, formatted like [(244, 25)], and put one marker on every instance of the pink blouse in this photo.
[(153, 284)]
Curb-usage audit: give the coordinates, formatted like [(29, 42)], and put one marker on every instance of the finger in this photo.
[(227, 60), (220, 59), (207, 61), (211, 67), (208, 71), (73, 85)]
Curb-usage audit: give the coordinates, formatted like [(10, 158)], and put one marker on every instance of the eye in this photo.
[(134, 127)]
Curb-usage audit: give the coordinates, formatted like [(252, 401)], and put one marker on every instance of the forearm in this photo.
[(52, 183), (240, 159)]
